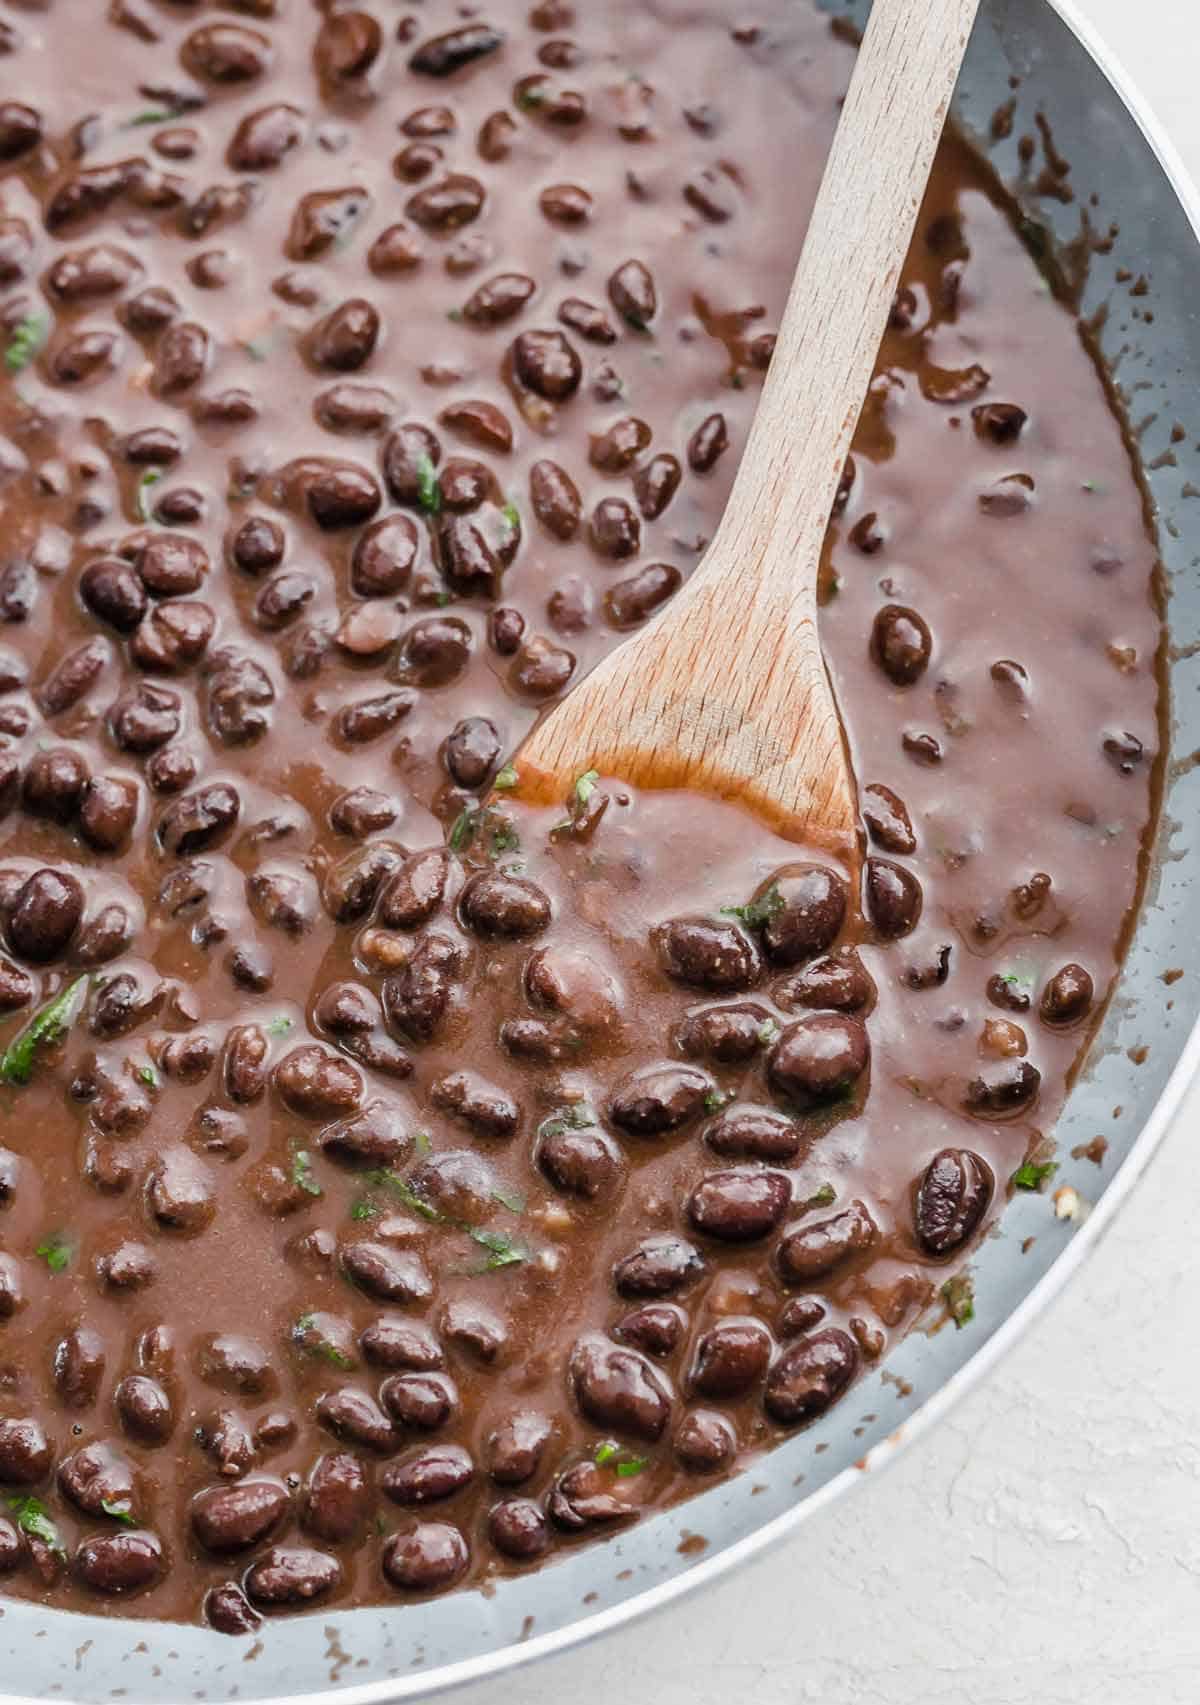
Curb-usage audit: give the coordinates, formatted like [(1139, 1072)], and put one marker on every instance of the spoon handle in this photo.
[(841, 294)]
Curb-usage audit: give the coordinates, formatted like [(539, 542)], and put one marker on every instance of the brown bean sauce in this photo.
[(396, 1188)]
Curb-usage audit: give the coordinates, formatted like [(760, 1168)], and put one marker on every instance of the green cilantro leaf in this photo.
[(149, 115), (757, 912), (611, 1454), (383, 1179), (27, 338), (507, 778), (364, 1209), (823, 1198), (502, 1250), (1031, 1174), (280, 1025), (767, 1031), (632, 1465), (509, 1199), (302, 1173), (714, 1100), (585, 786), (422, 1141), (120, 1512), (148, 1076), (307, 1334), (145, 485), (56, 1252), (47, 1026), (512, 516), (606, 1452), (33, 1518), (429, 493), (958, 1294), (577, 1116)]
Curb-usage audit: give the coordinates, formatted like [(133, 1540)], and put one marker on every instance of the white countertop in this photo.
[(1043, 1546)]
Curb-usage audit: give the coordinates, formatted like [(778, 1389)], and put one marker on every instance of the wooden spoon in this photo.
[(725, 691)]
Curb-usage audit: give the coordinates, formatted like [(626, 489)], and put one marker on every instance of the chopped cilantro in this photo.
[(279, 1025), (383, 1179), (33, 1518), (714, 1100), (467, 825), (120, 1512), (302, 1173), (505, 839), (308, 1335), (509, 1199), (429, 494), (47, 1026), (442, 599), (823, 1198), (149, 115), (529, 100), (578, 1116), (1095, 487), (502, 1250), (56, 1252), (958, 1294), (512, 516), (455, 314), (149, 1076), (611, 1454), (423, 1142), (147, 482), (364, 1209), (585, 786), (1031, 1174), (757, 912), (257, 348), (507, 778), (463, 832), (27, 338), (767, 1031)]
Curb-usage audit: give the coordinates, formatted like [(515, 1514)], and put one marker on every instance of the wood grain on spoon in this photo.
[(725, 691)]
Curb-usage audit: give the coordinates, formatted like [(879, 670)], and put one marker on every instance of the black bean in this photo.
[(810, 1376), (706, 954), (392, 1275), (754, 1133), (348, 44), (894, 898), (144, 1409), (518, 1529), (12, 1546), (79, 1367), (448, 204), (173, 636), (901, 644), (292, 1575), (707, 444), (265, 137), (98, 1479), (728, 1035), (235, 1518), (1003, 1090), (73, 676), (579, 1163), (495, 904), (951, 1199), (555, 498), (179, 1192), (998, 423), (423, 1402), (542, 669), (545, 363), (704, 1442), (227, 1611), (659, 1266), (46, 914), (346, 338), (25, 1452), (730, 1358), (416, 1000), (814, 1248), (632, 293), (126, 1562), (805, 906), (633, 601), (619, 1388), (406, 1344), (108, 812), (338, 1498), (54, 784), (581, 1498), (416, 891), (428, 1475), (1067, 997), (658, 1099), (740, 1205), (888, 822), (499, 299), (428, 1558), (657, 1328), (198, 820), (355, 1416), (20, 129), (112, 591), (226, 53), (655, 484)]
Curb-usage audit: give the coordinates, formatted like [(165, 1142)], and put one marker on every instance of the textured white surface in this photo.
[(1043, 1547)]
